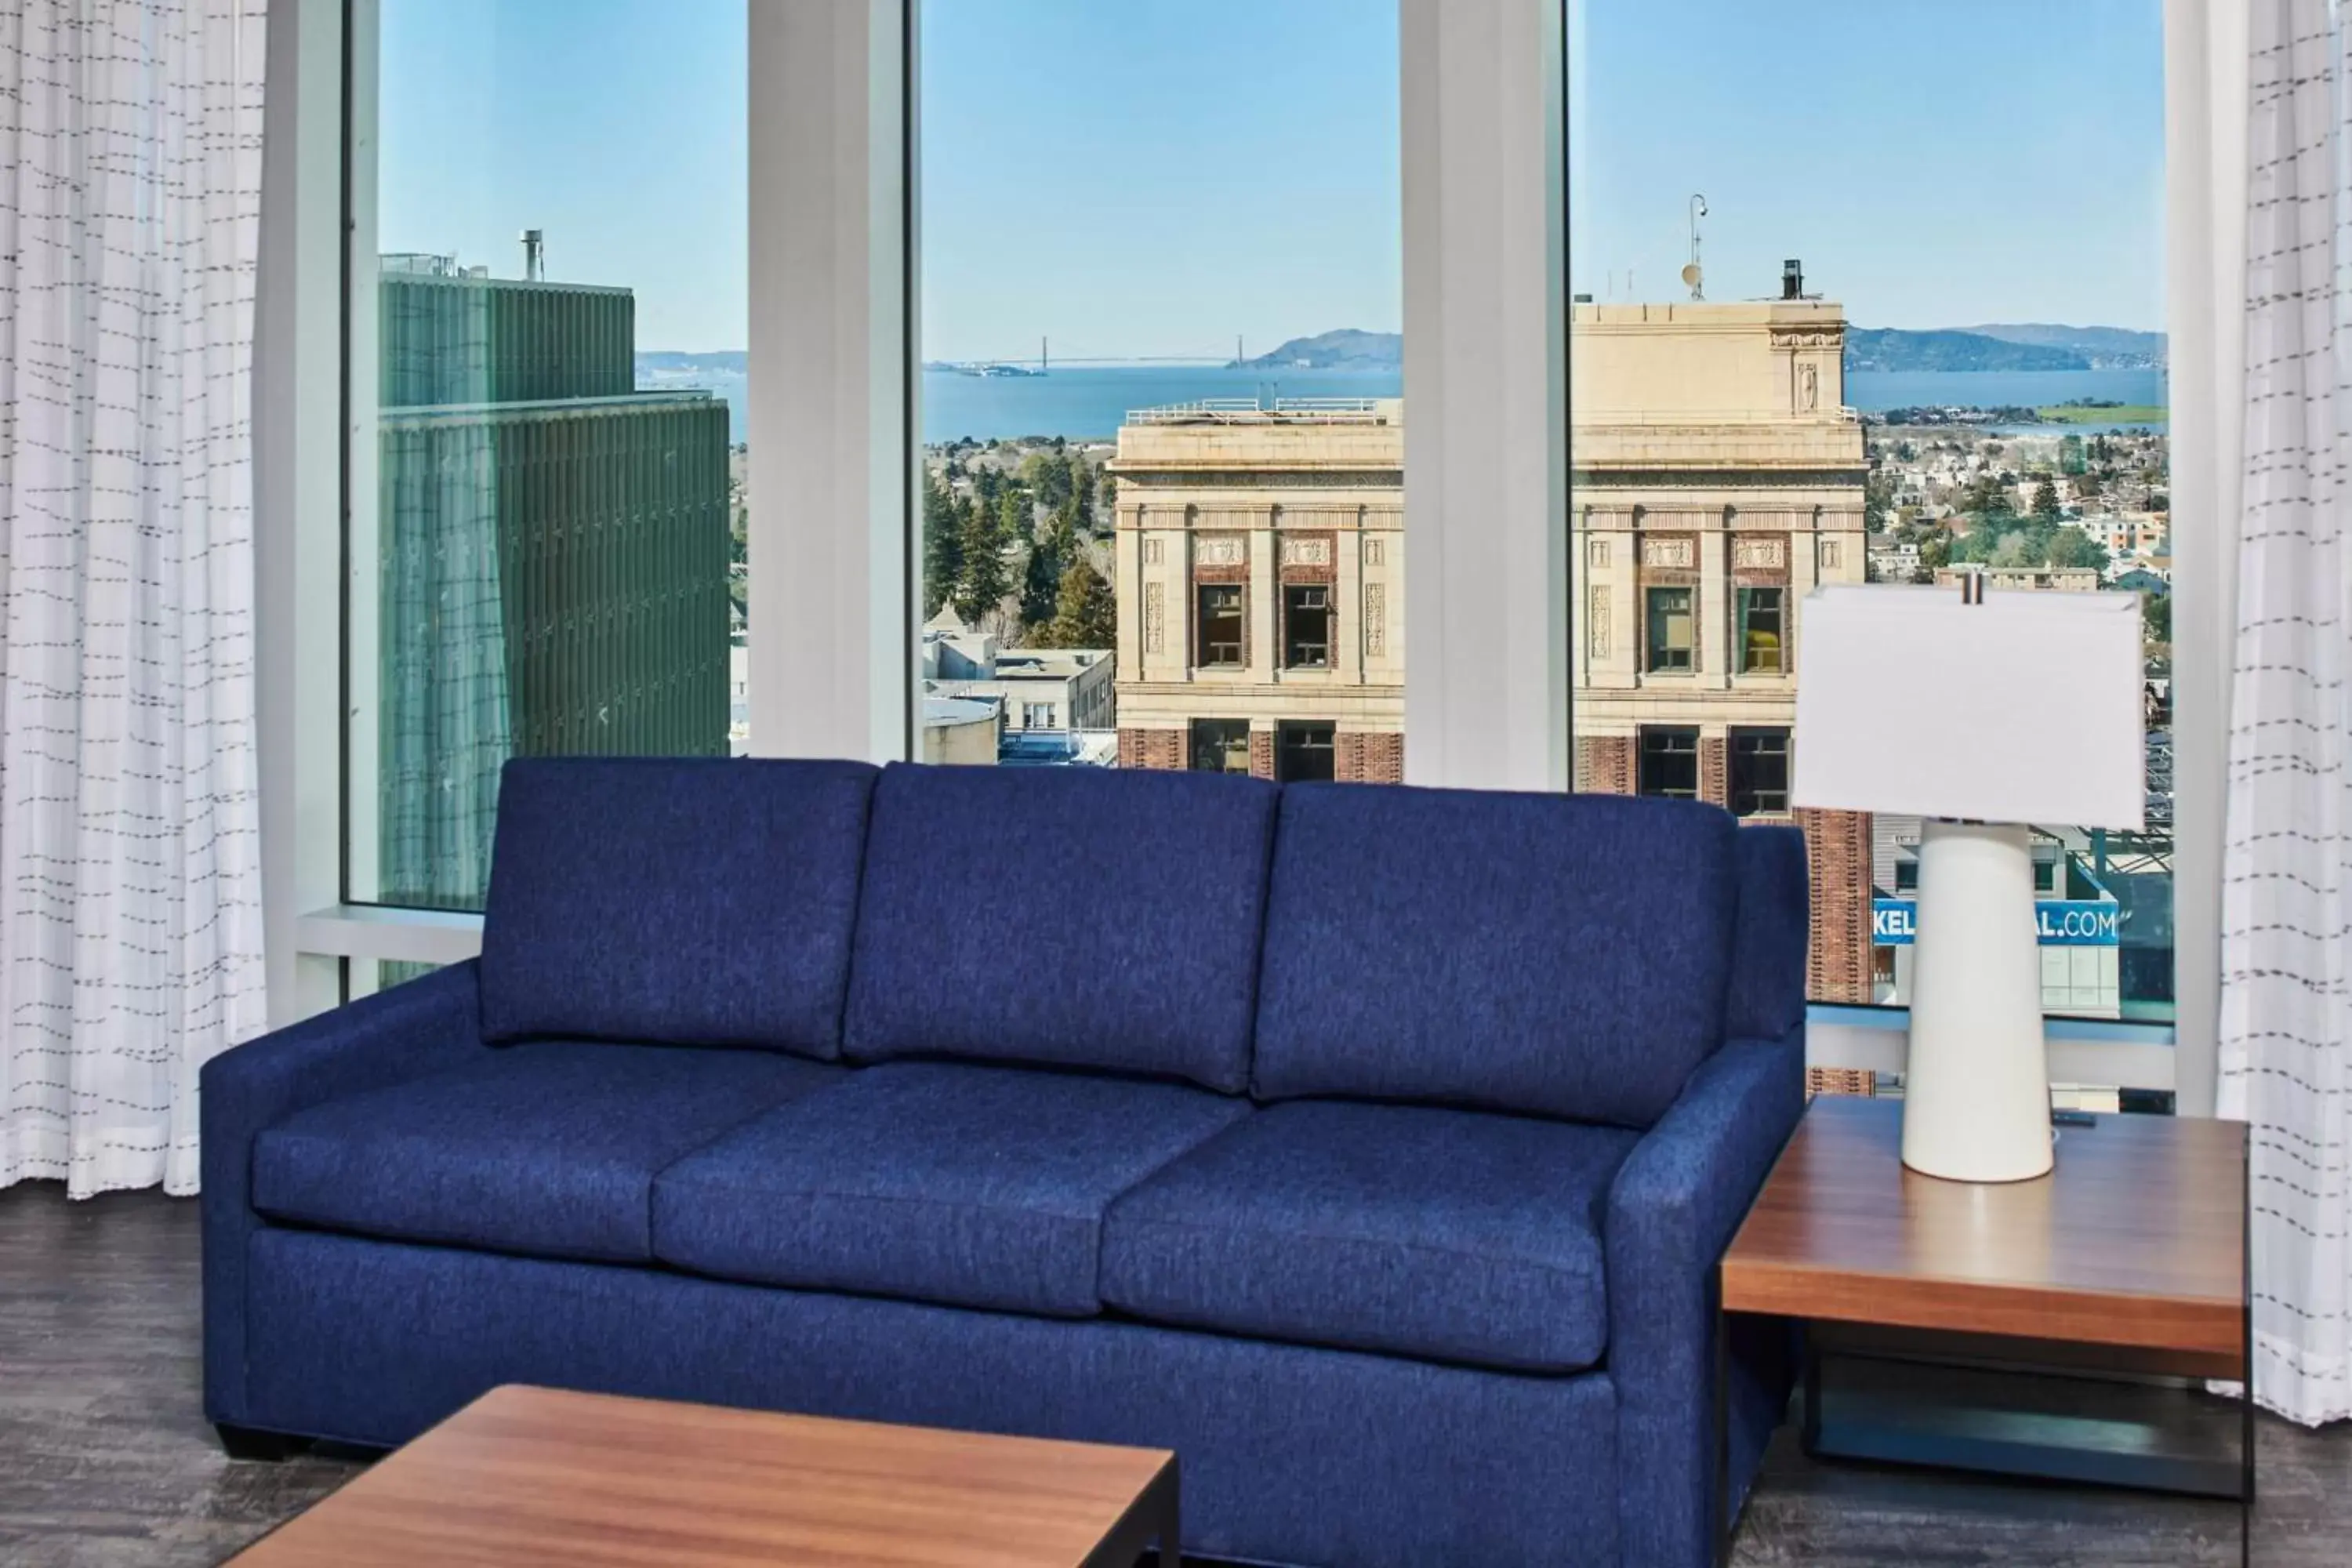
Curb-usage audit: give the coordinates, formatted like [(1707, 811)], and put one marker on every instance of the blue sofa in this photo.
[(1371, 1147)]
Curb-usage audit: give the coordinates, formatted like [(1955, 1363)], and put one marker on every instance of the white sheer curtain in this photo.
[(2286, 918), (130, 885)]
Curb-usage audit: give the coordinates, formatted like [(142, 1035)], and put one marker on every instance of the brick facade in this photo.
[(1604, 764), (1162, 749), (1837, 853), (1368, 756), (1841, 1080), (1714, 779), (1261, 754)]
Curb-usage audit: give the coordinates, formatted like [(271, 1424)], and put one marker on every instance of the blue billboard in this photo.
[(2058, 922)]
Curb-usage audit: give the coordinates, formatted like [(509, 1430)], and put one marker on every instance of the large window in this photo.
[(545, 327), (1223, 627), (1221, 745), (1805, 347), (1161, 386), (1307, 627), (1666, 612), (1762, 649)]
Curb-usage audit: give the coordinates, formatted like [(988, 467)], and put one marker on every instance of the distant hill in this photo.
[(2108, 348), (670, 363), (1346, 348), (1889, 348)]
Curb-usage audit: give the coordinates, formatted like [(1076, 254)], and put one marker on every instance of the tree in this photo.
[(1041, 583), (1107, 509), (2156, 620), (2014, 549), (942, 543), (2046, 503), (1048, 474), (1083, 492), (1086, 613), (981, 585), (2073, 547), (1878, 496)]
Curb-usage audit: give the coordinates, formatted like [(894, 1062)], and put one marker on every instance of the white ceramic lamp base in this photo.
[(1975, 1089)]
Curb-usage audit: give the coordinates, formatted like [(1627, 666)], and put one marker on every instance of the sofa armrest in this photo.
[(1675, 1203), (408, 1032)]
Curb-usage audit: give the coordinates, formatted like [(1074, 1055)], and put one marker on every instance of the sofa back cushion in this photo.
[(703, 902), (1080, 916), (1767, 998), (1563, 955)]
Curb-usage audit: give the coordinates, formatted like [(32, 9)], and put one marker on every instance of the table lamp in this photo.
[(1980, 712)]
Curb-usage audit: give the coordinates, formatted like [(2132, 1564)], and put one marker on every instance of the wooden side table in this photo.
[(2129, 1257)]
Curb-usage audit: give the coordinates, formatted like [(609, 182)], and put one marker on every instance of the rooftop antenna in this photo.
[(534, 254), (1692, 275)]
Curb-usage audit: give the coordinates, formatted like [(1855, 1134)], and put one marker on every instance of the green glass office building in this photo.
[(551, 575)]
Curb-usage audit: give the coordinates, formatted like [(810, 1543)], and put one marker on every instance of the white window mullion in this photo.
[(830, 444), (1485, 470)]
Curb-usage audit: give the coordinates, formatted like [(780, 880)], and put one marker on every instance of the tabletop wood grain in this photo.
[(532, 1476), (2136, 1239)]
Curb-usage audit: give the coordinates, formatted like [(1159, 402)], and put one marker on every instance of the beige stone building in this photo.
[(1260, 578), (1716, 478)]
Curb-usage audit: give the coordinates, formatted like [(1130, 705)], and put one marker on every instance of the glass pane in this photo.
[(1802, 349), (1162, 379), (545, 359)]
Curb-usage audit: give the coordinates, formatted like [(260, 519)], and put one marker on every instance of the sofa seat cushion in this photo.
[(973, 1185), (1451, 1235), (548, 1149)]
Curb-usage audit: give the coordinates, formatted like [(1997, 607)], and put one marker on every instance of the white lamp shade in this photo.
[(2023, 709)]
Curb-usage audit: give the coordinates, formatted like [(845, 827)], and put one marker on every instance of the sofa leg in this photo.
[(246, 1443)]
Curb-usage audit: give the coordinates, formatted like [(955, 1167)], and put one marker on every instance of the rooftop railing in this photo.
[(1252, 411)]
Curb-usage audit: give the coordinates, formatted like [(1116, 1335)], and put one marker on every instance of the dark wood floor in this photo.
[(106, 1461)]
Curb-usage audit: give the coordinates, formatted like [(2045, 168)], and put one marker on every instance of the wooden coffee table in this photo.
[(525, 1476), (2128, 1259)]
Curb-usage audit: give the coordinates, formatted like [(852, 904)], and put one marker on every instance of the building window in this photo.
[(1221, 746), (547, 555), (1763, 651), (1669, 764), (1303, 753), (1760, 771), (1037, 716), (1307, 627), (1668, 617), (1202, 518), (1221, 626)]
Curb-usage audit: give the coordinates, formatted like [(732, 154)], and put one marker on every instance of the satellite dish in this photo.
[(1690, 273)]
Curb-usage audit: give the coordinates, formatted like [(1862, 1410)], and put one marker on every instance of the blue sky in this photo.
[(1155, 176), (1935, 166), (615, 125)]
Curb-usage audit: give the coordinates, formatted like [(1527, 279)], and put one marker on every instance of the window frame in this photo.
[(1744, 612), (1665, 734), (1290, 643), (1202, 646), (1732, 753), (1196, 738), (1653, 622), (1294, 737), (835, 188)]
